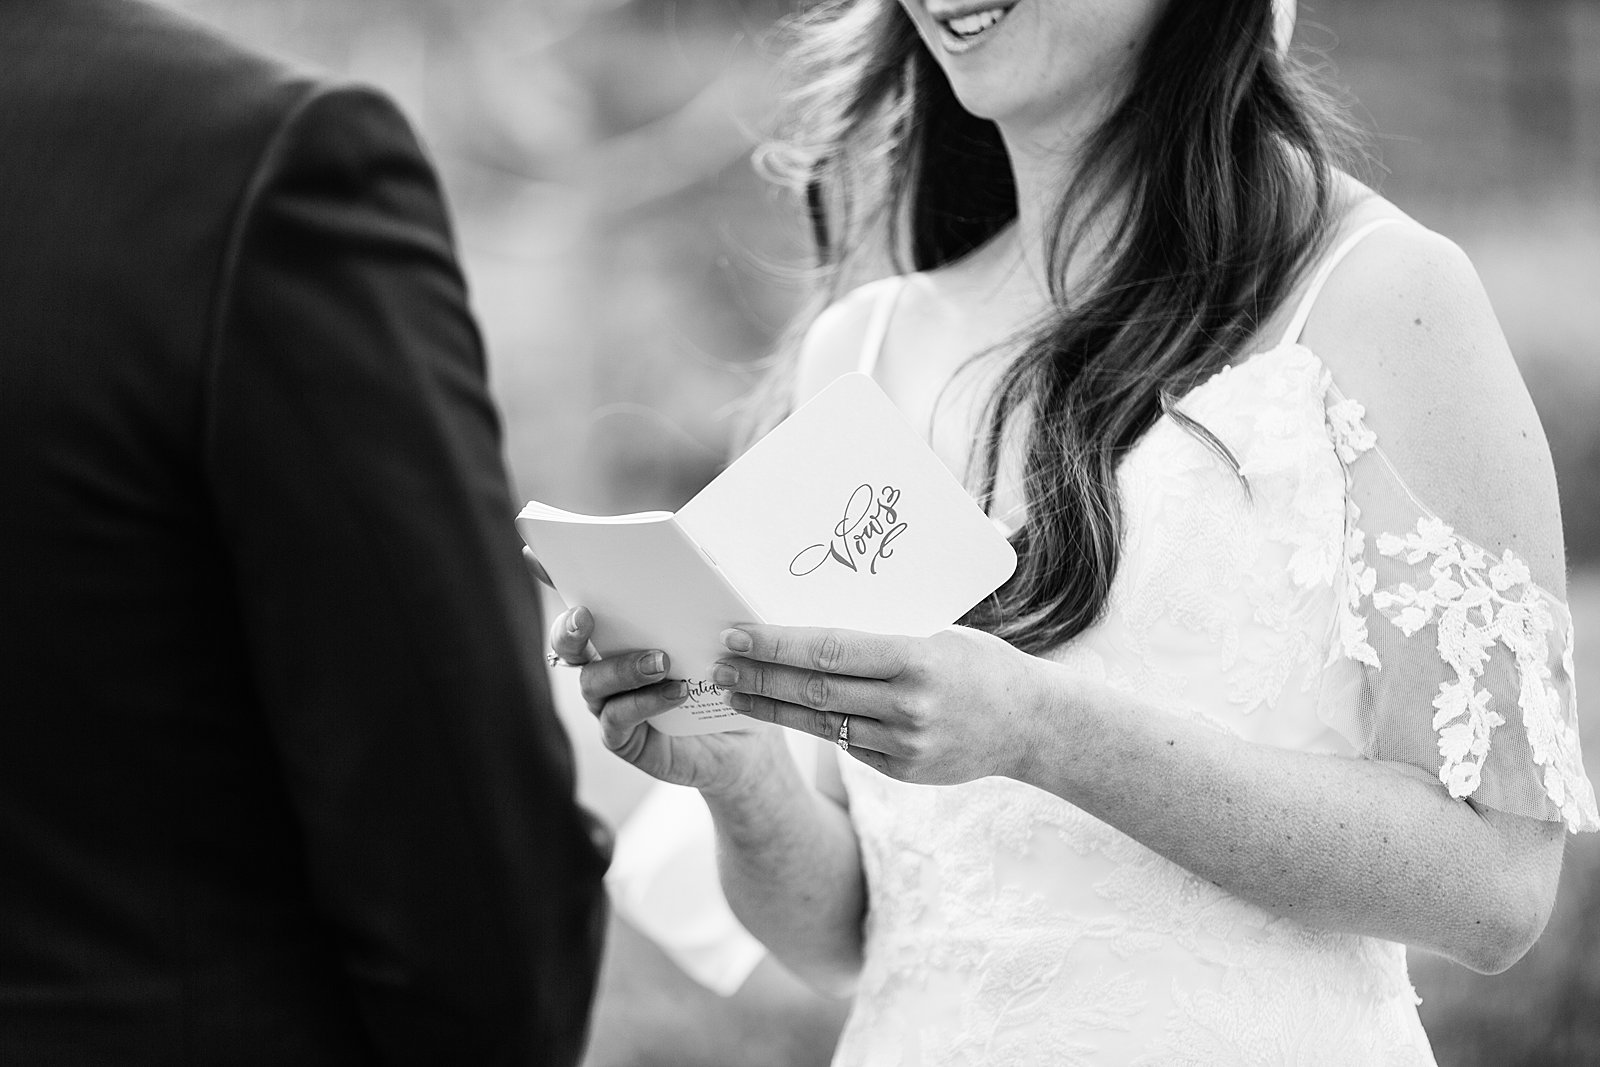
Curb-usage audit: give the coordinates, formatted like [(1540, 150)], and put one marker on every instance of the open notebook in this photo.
[(842, 516)]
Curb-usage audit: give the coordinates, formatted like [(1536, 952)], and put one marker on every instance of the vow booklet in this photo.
[(842, 516)]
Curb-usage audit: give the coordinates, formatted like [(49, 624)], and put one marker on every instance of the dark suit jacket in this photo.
[(279, 778)]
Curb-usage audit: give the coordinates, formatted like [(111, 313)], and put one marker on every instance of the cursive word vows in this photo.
[(865, 535)]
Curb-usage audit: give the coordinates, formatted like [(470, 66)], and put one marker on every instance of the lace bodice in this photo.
[(1005, 926)]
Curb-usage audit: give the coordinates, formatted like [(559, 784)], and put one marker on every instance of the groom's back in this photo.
[(193, 864), (114, 671)]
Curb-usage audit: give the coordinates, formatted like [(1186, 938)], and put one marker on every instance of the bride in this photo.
[(1283, 681)]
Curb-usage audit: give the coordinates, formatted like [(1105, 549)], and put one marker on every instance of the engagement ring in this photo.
[(844, 733)]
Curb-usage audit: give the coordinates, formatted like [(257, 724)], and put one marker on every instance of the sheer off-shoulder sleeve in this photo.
[(1445, 653)]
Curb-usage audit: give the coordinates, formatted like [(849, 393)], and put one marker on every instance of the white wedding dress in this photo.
[(1007, 927)]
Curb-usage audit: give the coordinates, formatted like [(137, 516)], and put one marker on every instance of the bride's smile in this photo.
[(1037, 67), (970, 25)]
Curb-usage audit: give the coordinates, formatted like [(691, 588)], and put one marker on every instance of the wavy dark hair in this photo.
[(1217, 173)]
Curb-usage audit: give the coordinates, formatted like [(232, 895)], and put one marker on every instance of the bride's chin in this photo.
[(996, 96), (982, 101)]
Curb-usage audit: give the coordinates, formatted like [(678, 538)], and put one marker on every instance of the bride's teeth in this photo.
[(975, 23), (969, 25)]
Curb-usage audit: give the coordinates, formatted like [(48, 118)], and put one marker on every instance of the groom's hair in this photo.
[(1218, 170)]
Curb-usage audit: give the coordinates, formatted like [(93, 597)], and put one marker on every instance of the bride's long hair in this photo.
[(1217, 173)]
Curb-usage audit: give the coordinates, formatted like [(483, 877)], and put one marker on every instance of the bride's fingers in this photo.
[(818, 690), (569, 635), (623, 715), (603, 679), (866, 733), (850, 652)]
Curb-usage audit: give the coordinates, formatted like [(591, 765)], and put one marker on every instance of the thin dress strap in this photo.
[(878, 325), (1302, 313)]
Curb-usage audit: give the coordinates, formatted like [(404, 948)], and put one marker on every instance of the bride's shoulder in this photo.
[(1405, 327), (1404, 315), (1406, 302)]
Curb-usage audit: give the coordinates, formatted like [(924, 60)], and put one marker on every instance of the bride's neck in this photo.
[(1020, 257)]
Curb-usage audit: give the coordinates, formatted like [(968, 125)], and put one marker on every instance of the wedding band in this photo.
[(844, 733)]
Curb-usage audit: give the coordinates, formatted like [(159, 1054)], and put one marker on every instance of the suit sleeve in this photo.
[(354, 458)]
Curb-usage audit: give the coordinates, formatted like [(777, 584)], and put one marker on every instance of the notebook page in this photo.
[(843, 516)]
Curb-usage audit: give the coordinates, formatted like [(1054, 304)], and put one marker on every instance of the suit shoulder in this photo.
[(141, 40), (344, 126), (131, 69)]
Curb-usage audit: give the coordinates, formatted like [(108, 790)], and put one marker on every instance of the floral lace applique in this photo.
[(1476, 603), (1351, 440)]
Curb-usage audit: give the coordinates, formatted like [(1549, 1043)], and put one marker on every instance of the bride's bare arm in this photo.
[(791, 869), (1361, 846)]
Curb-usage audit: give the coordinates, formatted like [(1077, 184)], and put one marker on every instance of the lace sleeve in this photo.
[(1446, 655)]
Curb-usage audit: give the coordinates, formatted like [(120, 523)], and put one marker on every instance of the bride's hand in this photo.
[(625, 691), (945, 709)]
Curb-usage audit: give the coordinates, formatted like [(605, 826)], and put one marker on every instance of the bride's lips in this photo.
[(964, 26)]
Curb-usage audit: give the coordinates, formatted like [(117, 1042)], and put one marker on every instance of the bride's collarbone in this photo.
[(938, 330)]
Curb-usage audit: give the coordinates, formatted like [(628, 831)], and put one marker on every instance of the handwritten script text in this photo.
[(866, 534)]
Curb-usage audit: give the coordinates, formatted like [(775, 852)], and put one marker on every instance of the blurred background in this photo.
[(631, 272)]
